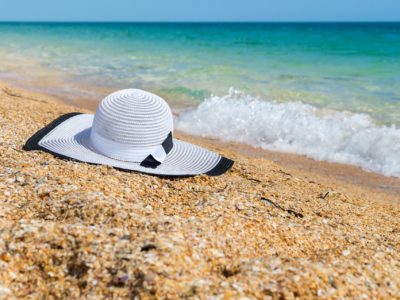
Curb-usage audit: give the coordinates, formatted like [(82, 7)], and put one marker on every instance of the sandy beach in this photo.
[(277, 226)]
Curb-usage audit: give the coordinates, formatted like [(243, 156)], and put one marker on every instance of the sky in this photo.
[(199, 10)]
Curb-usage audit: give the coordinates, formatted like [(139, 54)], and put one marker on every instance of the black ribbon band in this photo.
[(150, 161)]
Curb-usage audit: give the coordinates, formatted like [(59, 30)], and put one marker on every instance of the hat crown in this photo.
[(133, 117)]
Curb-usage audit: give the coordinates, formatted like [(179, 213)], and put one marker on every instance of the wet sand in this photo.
[(370, 185), (265, 230)]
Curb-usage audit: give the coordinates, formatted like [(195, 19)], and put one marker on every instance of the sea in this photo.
[(330, 91)]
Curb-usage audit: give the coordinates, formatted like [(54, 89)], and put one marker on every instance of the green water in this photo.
[(353, 67)]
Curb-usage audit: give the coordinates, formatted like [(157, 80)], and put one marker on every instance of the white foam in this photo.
[(297, 128)]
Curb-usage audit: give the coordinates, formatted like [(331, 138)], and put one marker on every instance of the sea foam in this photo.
[(296, 127)]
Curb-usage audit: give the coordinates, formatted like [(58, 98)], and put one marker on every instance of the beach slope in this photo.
[(70, 230)]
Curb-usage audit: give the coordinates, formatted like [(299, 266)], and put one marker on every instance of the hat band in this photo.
[(125, 152), (158, 156)]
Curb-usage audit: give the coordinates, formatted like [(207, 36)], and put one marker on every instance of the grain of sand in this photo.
[(262, 231)]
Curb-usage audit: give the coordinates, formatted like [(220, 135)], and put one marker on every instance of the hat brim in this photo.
[(67, 137)]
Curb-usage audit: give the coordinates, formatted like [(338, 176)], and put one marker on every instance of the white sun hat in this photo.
[(131, 130)]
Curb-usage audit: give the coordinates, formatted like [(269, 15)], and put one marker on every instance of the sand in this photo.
[(264, 230)]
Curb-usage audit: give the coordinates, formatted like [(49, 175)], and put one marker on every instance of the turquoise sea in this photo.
[(330, 91)]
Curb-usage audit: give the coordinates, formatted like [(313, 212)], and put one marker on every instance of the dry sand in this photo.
[(264, 230)]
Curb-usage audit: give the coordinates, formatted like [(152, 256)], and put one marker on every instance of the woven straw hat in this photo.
[(131, 130)]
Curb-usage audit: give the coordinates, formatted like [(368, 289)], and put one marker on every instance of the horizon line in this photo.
[(197, 22)]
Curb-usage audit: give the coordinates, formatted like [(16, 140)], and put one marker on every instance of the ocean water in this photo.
[(328, 91)]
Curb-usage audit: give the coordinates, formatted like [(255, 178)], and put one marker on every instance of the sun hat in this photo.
[(131, 130)]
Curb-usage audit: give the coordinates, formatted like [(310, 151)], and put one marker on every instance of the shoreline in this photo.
[(369, 184), (379, 186), (375, 185), (263, 230)]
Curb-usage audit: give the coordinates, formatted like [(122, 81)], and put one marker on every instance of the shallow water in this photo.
[(296, 81)]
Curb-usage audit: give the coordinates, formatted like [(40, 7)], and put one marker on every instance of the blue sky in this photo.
[(200, 10)]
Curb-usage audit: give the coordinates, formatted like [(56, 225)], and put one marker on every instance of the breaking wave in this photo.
[(295, 127)]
